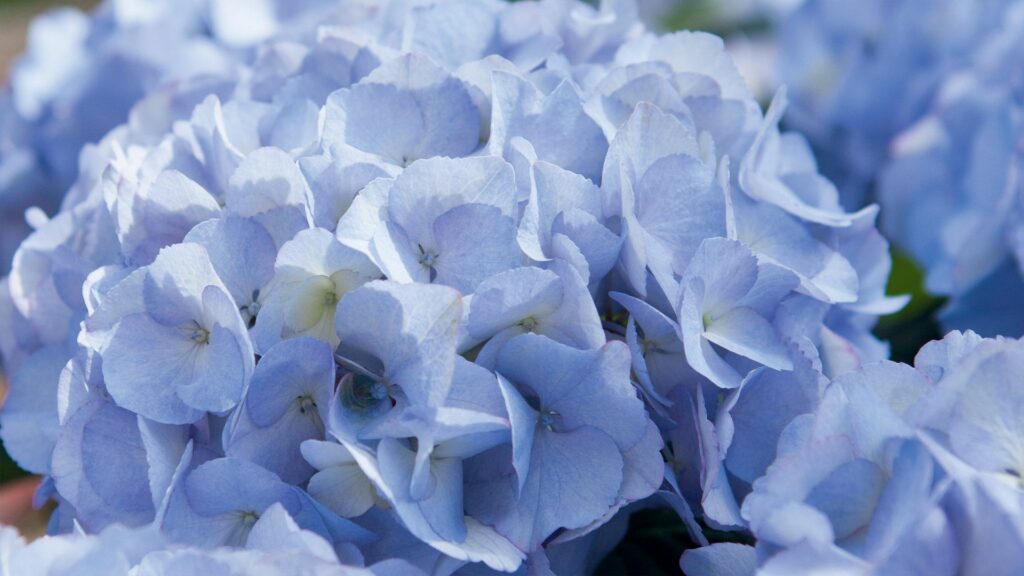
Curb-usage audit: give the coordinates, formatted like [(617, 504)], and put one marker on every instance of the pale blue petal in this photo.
[(405, 110)]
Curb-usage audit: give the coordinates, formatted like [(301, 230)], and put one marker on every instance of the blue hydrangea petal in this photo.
[(364, 216), (339, 483), (649, 135), (312, 272), (849, 496), (162, 213), (521, 111), (335, 186), (773, 234), (277, 531), (727, 270), (745, 332), (407, 109), (480, 543), (401, 258), (410, 329), (694, 211), (554, 190), (127, 364), (579, 496), (167, 446), (814, 556), (441, 511), (720, 559), (776, 509), (452, 33), (475, 388), (267, 178), (268, 185), (29, 422), (986, 424), (579, 231), (626, 88), (510, 297), (643, 473), (573, 320), (241, 252), (659, 362), (207, 513), (756, 430), (937, 358), (582, 387), (225, 365), (99, 464), (287, 403), (474, 241), (523, 419), (906, 499), (429, 188), (759, 182), (174, 284), (292, 369)]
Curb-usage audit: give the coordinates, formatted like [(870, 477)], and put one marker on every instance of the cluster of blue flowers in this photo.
[(82, 73), (861, 72), (276, 546), (953, 193), (891, 469), (920, 104), (456, 286)]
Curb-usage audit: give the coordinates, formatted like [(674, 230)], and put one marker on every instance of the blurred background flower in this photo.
[(14, 18), (16, 488)]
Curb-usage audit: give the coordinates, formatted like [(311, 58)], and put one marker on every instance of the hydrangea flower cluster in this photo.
[(861, 72), (895, 470), (952, 191), (276, 546), (81, 74), (450, 283)]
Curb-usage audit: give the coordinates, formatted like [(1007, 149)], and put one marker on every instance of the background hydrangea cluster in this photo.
[(276, 546), (82, 73), (458, 286), (861, 73), (918, 104)]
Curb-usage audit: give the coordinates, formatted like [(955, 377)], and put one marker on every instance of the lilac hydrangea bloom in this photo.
[(275, 545), (82, 75), (951, 194), (901, 469), (445, 298), (889, 469), (860, 74)]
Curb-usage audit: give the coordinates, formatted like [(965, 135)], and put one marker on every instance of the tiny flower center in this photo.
[(548, 420), (367, 392), (646, 346), (251, 310), (1016, 475), (308, 408), (529, 324), (200, 335), (428, 258), (330, 298), (313, 303), (306, 404)]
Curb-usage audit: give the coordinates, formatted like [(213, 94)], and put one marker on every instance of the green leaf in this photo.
[(916, 324)]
